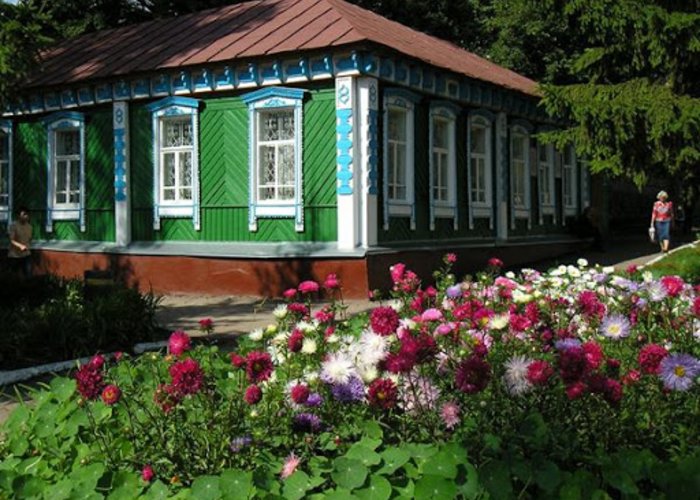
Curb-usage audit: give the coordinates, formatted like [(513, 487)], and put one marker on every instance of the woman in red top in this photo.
[(661, 216)]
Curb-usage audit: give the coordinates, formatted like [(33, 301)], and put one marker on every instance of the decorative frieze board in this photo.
[(394, 70)]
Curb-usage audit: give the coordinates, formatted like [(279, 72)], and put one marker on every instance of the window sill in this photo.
[(65, 213), (175, 211), (264, 210), (400, 209)]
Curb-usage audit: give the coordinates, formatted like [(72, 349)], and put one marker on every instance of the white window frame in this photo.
[(275, 98), (481, 209), (447, 209), (520, 131), (61, 122), (6, 164), (545, 177), (568, 171), (161, 111), (402, 101), (585, 181)]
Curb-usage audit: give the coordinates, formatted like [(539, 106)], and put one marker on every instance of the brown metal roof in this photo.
[(253, 29)]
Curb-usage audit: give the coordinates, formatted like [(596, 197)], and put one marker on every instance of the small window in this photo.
[(480, 165), (569, 181), (399, 194), (545, 163), (5, 171), (520, 170), (443, 174), (66, 169), (275, 164), (175, 159)]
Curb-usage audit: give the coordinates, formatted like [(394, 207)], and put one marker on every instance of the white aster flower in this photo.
[(515, 377), (368, 373), (657, 292), (332, 339), (311, 377), (499, 322), (280, 312), (647, 277), (510, 275), (608, 269), (574, 272), (582, 262), (308, 346), (520, 297), (337, 369), (306, 327), (280, 339), (395, 304), (256, 335)]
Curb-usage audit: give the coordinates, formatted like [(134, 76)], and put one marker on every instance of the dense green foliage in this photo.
[(684, 263), (45, 319)]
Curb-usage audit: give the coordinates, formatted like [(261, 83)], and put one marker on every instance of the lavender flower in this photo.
[(237, 444), (314, 399), (615, 326), (454, 291), (307, 422), (353, 390), (565, 344), (678, 371)]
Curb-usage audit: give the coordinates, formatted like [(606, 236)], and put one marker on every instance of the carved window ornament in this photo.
[(443, 162), (175, 122), (65, 194), (275, 158), (5, 170), (399, 155)]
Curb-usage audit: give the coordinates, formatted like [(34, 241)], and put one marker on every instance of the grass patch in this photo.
[(684, 263)]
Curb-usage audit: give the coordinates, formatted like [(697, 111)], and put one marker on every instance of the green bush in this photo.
[(46, 319)]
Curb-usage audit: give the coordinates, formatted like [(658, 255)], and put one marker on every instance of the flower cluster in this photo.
[(90, 382)]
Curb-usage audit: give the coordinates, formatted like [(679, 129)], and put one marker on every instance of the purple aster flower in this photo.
[(454, 291), (307, 422), (350, 392), (237, 444), (678, 371), (615, 326), (565, 344), (314, 399)]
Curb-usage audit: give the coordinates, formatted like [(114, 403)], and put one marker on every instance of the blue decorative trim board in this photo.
[(373, 151), (344, 134), (169, 102)]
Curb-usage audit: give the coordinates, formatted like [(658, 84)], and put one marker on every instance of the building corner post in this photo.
[(122, 210)]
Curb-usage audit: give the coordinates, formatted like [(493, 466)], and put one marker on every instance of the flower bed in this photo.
[(573, 383)]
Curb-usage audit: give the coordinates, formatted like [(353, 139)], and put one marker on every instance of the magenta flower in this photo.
[(111, 394), (290, 466), (450, 414), (431, 315), (306, 287), (178, 343), (147, 473), (332, 282), (187, 376), (253, 395), (673, 285), (290, 293), (384, 320)]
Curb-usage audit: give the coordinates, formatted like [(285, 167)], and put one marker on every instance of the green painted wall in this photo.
[(30, 178), (224, 176)]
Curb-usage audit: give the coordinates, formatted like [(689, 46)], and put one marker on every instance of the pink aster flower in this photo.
[(290, 466), (397, 272), (178, 343), (290, 293), (206, 325), (450, 414), (696, 306), (253, 395), (384, 320), (147, 473), (187, 375), (450, 258), (97, 361), (111, 394), (431, 314), (673, 285), (258, 366), (331, 282), (309, 286), (495, 262), (650, 357)]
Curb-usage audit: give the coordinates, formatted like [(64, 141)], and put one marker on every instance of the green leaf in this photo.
[(430, 486), (379, 489), (17, 419), (59, 491), (620, 480), (28, 486), (547, 476), (62, 388), (365, 455), (442, 465), (407, 491), (126, 485), (458, 452), (235, 483), (85, 478), (394, 458), (470, 488), (296, 485), (339, 494), (157, 491), (496, 478), (372, 430), (349, 473), (206, 488)]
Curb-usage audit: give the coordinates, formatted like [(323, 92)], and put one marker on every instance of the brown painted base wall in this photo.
[(269, 278)]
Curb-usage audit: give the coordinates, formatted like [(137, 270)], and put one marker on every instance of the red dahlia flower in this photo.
[(572, 364), (495, 262), (237, 360), (253, 395), (382, 393), (539, 372), (89, 381), (673, 285), (295, 340), (384, 320), (111, 394), (594, 355), (696, 306), (97, 361), (300, 394), (575, 390), (147, 473), (187, 376), (258, 366), (472, 375), (166, 397), (650, 358), (178, 343)]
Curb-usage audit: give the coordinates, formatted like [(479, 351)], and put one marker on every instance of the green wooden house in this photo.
[(240, 149)]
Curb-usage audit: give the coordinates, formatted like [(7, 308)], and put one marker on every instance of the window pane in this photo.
[(177, 132), (185, 169), (269, 126), (286, 124), (61, 175), (74, 175), (4, 179), (169, 194), (286, 165), (168, 170), (67, 142), (4, 147), (267, 165), (440, 134), (185, 194), (478, 140), (397, 125)]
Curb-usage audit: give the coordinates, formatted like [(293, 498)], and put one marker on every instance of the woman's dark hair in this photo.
[(22, 208)]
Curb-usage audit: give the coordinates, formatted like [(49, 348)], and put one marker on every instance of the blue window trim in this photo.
[(447, 111), (61, 121), (407, 100), (483, 209), (169, 107), (271, 98), (524, 212), (6, 210)]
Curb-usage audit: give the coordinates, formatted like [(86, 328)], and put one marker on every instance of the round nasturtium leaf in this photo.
[(349, 473)]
